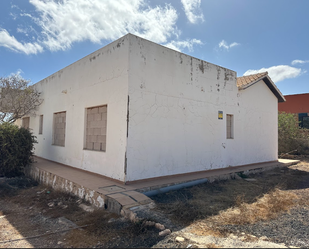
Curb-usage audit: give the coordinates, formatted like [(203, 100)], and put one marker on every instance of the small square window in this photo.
[(229, 126), (41, 125), (59, 128), (95, 132), (25, 123)]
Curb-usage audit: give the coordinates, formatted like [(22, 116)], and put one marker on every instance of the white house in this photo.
[(135, 110)]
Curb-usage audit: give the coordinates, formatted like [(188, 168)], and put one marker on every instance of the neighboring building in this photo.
[(135, 110), (297, 104)]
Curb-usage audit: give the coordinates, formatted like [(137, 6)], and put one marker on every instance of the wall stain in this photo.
[(201, 66), (92, 58), (191, 69), (218, 72)]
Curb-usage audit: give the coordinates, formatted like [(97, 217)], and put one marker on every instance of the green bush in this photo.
[(16, 149), (291, 138)]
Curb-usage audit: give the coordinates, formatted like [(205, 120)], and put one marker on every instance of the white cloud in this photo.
[(18, 72), (70, 21), (278, 73), (179, 45), (294, 62), (10, 42), (192, 10), (26, 14), (224, 44), (62, 23)]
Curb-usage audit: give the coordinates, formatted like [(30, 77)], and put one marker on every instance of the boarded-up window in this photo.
[(59, 128), (96, 123), (229, 126), (41, 125), (25, 122)]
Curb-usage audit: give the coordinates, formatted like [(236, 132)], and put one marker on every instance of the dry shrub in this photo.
[(265, 208)]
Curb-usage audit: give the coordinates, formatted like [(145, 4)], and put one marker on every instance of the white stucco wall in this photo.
[(173, 115), (174, 101), (100, 78), (257, 125)]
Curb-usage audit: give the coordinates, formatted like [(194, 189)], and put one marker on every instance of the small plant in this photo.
[(16, 149)]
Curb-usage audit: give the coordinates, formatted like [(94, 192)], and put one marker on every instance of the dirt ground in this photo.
[(269, 209)]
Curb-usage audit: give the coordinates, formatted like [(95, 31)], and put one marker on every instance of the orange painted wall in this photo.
[(298, 103)]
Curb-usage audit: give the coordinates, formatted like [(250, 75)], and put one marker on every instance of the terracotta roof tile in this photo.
[(246, 80), (249, 80)]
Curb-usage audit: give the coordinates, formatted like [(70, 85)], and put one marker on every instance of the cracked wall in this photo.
[(173, 115)]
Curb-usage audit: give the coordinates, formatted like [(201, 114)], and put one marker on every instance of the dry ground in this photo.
[(270, 209)]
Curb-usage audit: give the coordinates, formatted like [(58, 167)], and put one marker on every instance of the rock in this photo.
[(111, 220), (51, 204), (232, 236), (86, 208), (242, 238), (159, 226), (250, 179), (59, 242), (264, 238), (237, 177), (180, 239), (165, 232), (149, 223)]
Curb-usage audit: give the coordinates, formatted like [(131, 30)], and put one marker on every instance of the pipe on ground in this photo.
[(174, 187)]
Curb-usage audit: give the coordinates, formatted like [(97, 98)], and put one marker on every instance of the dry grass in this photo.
[(212, 245), (265, 208), (263, 195)]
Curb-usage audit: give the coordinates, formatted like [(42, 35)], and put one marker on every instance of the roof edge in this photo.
[(271, 85)]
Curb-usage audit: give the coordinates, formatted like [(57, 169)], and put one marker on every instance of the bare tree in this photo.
[(17, 98)]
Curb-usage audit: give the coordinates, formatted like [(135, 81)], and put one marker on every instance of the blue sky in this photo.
[(40, 37)]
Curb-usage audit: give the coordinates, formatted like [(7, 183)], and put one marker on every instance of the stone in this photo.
[(149, 223), (263, 238), (51, 204), (165, 232), (250, 179), (180, 239), (237, 177), (232, 236), (242, 238), (111, 220), (86, 208), (159, 226)]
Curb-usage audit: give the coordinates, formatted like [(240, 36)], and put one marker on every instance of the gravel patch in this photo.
[(290, 228)]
